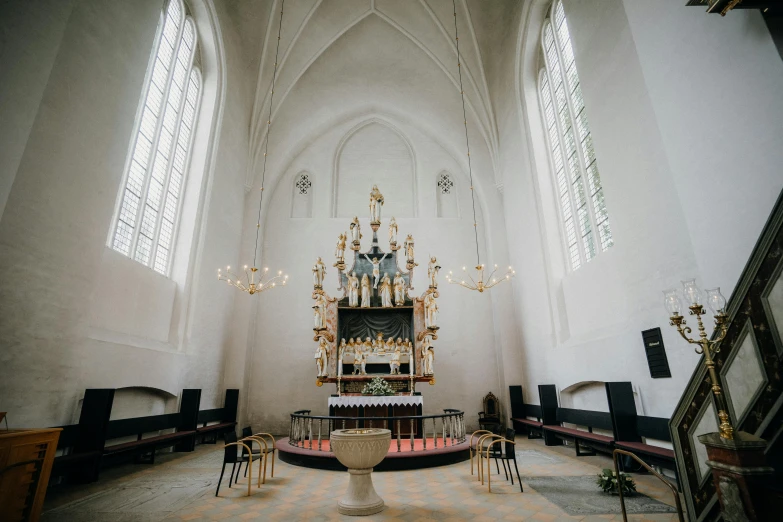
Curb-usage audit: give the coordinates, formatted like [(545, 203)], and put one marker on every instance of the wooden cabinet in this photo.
[(26, 458)]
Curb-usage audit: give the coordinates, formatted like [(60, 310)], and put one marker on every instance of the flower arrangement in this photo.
[(378, 386), (608, 482)]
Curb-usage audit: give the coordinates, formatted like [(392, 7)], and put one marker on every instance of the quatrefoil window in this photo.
[(303, 184), (445, 184)]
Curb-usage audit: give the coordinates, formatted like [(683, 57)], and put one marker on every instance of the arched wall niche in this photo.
[(141, 401), (302, 190), (446, 195), (374, 152)]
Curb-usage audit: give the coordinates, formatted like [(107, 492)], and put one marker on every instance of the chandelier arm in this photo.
[(467, 140), (489, 278), (269, 124)]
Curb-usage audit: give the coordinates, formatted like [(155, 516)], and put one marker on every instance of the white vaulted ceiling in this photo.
[(341, 59)]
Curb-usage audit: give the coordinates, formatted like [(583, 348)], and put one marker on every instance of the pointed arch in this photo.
[(347, 137)]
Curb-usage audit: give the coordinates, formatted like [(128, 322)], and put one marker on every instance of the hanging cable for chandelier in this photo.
[(250, 285), (479, 284)]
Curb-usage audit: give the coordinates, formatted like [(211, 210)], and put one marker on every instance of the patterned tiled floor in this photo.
[(181, 487)]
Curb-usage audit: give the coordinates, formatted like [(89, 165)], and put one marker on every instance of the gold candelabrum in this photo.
[(250, 285), (480, 283), (691, 297)]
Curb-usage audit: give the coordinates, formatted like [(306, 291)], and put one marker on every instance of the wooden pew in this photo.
[(521, 414), (590, 419), (222, 419), (82, 444), (629, 428)]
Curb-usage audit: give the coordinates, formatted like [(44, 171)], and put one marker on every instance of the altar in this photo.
[(370, 407)]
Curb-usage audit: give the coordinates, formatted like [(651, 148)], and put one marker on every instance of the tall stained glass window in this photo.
[(584, 218), (147, 221)]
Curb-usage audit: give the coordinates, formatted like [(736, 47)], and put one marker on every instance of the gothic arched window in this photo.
[(302, 200), (147, 219), (446, 195), (577, 181)]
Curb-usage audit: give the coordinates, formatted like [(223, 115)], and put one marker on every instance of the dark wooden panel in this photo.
[(94, 419), (657, 361), (231, 405), (532, 410), (622, 409), (653, 427), (136, 425), (595, 419), (517, 404), (214, 415)]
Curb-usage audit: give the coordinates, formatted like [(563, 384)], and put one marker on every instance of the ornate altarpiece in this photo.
[(405, 321)]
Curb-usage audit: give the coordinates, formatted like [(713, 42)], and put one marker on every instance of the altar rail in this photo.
[(307, 431)]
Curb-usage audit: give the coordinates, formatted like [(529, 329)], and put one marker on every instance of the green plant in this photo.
[(378, 386), (608, 482)]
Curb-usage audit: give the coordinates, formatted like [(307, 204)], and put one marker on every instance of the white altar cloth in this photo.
[(377, 400)]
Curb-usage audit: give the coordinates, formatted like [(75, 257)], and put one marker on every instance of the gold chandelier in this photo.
[(479, 283), (249, 284)]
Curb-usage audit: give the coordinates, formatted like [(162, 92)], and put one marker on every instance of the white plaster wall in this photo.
[(585, 325), (54, 228), (32, 32)]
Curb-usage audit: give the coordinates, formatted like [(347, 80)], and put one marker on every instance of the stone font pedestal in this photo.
[(360, 450)]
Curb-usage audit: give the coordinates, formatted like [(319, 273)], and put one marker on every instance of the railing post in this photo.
[(320, 425), (412, 423), (398, 435), (424, 432)]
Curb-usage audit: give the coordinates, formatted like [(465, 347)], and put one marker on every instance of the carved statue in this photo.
[(399, 290), (351, 346), (394, 363), (341, 349), (430, 311), (322, 358), (376, 203), (399, 346), (339, 251), (377, 343), (408, 346), (393, 231), (376, 267), (356, 231), (359, 363), (319, 270), (432, 272), (408, 245), (389, 345), (366, 292), (386, 292), (319, 313), (353, 290), (427, 357)]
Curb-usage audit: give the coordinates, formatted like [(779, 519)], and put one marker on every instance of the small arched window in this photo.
[(446, 195), (577, 180), (302, 200), (149, 200)]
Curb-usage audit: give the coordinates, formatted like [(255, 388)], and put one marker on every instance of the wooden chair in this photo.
[(488, 453), (231, 456), (508, 455), (489, 419), (472, 448), (263, 451)]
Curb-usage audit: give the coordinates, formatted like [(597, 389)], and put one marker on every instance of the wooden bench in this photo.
[(145, 446), (630, 428), (82, 444), (533, 427), (224, 419), (652, 428), (590, 419)]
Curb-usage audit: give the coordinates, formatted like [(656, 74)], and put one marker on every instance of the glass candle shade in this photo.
[(672, 302), (716, 301), (690, 292)]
